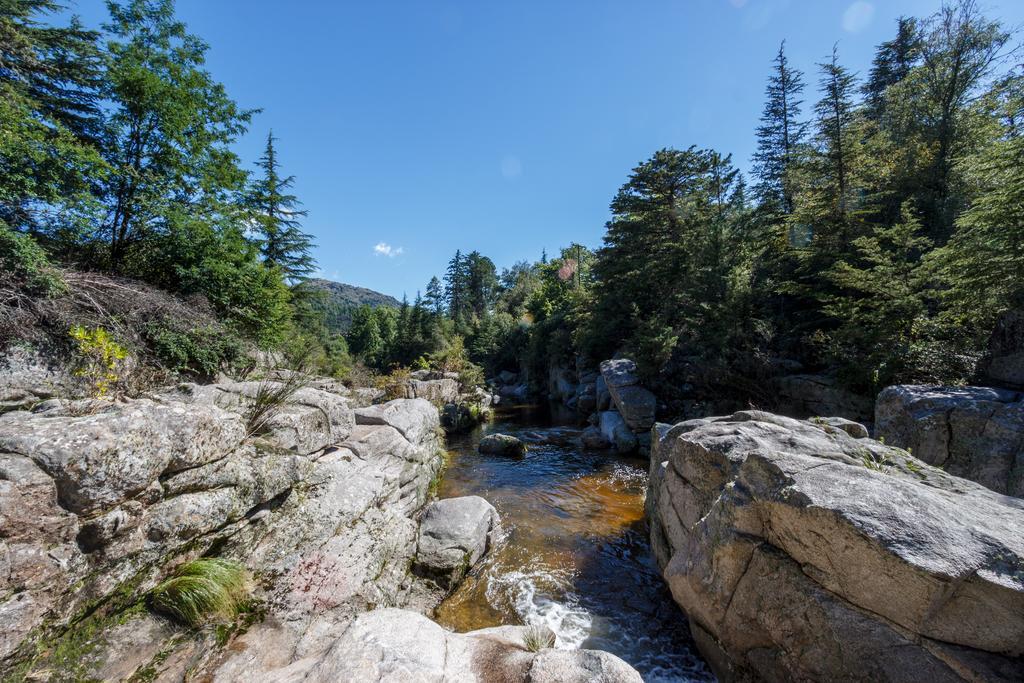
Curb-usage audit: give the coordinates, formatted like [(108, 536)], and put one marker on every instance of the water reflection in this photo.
[(575, 556)]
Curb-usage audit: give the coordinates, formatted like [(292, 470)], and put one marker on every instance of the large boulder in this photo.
[(397, 645), (636, 404), (616, 432), (437, 391), (801, 553), (454, 534), (502, 444), (971, 432), (806, 395), (414, 418)]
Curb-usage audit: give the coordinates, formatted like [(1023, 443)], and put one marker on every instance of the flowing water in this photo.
[(574, 555)]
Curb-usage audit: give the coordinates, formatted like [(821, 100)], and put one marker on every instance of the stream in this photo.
[(574, 555)]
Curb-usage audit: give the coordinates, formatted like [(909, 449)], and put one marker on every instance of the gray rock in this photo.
[(580, 666), (507, 377), (308, 420), (972, 432), (854, 429), (636, 404), (800, 553), (100, 460), (502, 444), (604, 398), (397, 645), (616, 432), (593, 439), (414, 419), (437, 391), (454, 534)]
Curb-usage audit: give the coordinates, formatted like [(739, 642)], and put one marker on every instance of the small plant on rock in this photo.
[(99, 359), (537, 638), (270, 396), (204, 589)]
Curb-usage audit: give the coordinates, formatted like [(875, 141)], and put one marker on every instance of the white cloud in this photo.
[(857, 16), (385, 249)]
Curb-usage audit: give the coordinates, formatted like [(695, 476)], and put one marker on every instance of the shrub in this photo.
[(200, 351), (271, 394), (394, 384), (203, 589), (24, 266), (99, 358)]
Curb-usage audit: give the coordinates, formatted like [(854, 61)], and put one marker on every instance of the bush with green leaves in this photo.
[(24, 265), (201, 351), (207, 589)]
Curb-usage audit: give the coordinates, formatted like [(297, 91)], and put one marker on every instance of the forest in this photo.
[(879, 235)]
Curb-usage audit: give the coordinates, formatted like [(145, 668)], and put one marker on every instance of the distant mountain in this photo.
[(343, 299)]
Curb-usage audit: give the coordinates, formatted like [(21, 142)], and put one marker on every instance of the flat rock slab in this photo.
[(397, 646), (413, 418)]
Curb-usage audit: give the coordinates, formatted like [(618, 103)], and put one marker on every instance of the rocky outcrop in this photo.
[(99, 500), (971, 432), (454, 534), (502, 444), (616, 432), (397, 645), (807, 395), (801, 553), (636, 404)]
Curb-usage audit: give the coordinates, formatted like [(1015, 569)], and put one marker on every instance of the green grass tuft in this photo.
[(204, 589), (537, 638)]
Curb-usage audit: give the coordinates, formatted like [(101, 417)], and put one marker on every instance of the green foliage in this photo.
[(284, 246), (197, 351), (25, 266), (204, 589), (537, 638), (271, 395), (99, 359)]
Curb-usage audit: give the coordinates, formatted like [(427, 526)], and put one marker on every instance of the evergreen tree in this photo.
[(434, 299), (983, 263), (456, 284), (958, 53), (284, 245), (892, 63), (481, 283), (779, 135), (49, 117)]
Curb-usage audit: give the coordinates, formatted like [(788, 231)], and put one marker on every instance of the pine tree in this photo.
[(983, 263), (434, 299), (283, 243), (456, 283), (49, 114), (892, 63), (779, 135), (959, 50), (481, 283)]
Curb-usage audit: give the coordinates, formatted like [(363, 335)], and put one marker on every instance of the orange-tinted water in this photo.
[(575, 555)]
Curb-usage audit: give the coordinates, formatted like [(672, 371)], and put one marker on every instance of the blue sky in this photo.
[(418, 128)]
